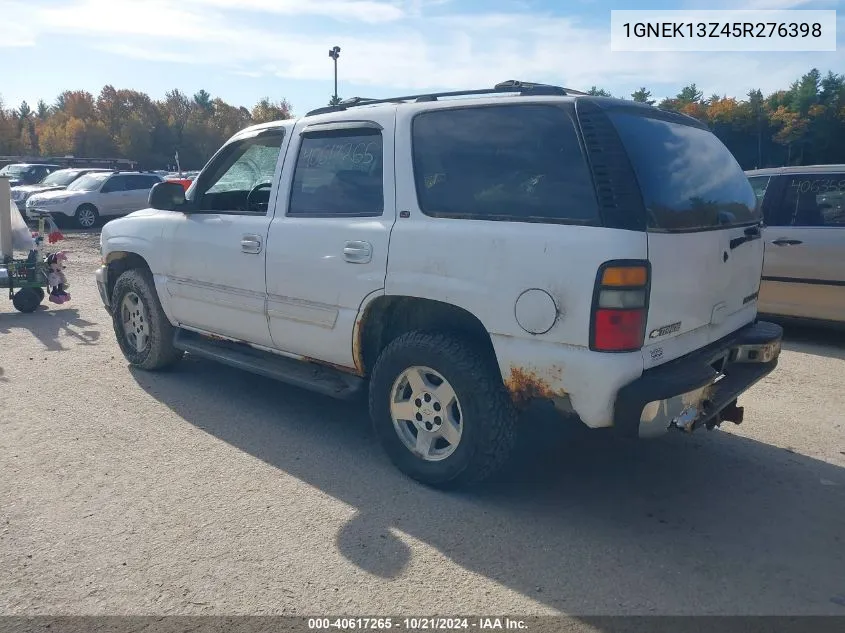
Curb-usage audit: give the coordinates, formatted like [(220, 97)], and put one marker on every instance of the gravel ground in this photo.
[(204, 490)]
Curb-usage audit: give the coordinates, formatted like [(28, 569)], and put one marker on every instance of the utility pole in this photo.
[(334, 53)]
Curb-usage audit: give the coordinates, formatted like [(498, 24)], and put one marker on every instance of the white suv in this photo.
[(95, 195), (457, 258)]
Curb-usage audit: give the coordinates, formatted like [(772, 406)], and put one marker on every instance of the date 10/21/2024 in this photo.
[(416, 624)]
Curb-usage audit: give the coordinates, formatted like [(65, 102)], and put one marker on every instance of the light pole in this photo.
[(334, 53)]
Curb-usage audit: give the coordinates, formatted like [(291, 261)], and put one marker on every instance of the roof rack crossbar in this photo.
[(511, 86)]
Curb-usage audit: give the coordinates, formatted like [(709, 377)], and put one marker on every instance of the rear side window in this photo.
[(339, 173), (518, 163), (689, 180), (812, 200)]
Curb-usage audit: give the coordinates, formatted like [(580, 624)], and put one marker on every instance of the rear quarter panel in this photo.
[(484, 266)]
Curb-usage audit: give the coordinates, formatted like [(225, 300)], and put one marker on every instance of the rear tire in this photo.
[(27, 299), (86, 216), (143, 332), (481, 414)]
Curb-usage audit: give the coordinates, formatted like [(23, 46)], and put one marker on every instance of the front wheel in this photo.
[(440, 410), (143, 332)]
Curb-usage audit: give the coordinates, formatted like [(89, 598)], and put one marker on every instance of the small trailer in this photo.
[(25, 278)]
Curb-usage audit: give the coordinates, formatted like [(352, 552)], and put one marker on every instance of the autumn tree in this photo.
[(265, 111)]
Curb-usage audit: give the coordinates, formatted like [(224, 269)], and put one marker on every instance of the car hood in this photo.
[(58, 193), (38, 188), (144, 213)]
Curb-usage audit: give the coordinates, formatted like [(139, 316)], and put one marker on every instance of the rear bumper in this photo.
[(695, 389)]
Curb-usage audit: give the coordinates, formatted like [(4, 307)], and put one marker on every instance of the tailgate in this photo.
[(703, 226)]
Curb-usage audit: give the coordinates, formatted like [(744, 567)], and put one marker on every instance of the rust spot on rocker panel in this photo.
[(525, 385), (341, 368)]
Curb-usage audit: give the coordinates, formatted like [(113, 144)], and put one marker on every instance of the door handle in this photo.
[(786, 242), (358, 252), (251, 244)]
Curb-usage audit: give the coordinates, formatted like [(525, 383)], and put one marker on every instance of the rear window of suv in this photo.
[(517, 163), (689, 180)]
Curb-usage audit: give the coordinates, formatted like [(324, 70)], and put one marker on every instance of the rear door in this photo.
[(138, 191), (328, 241), (703, 227), (113, 196), (804, 274)]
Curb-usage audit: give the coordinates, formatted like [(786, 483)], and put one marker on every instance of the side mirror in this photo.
[(167, 196)]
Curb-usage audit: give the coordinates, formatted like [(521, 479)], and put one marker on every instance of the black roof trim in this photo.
[(525, 88)]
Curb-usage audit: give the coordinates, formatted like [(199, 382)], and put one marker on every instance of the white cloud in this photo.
[(372, 11), (400, 45)]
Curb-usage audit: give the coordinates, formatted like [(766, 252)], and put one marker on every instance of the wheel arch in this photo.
[(386, 317)]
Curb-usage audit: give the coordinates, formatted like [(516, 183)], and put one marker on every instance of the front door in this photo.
[(804, 271), (330, 235), (216, 276)]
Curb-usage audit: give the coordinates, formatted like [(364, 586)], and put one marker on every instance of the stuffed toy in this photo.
[(56, 277)]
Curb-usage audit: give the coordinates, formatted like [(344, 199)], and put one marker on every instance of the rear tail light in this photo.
[(620, 307)]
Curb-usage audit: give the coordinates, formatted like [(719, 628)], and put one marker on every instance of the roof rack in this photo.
[(512, 85)]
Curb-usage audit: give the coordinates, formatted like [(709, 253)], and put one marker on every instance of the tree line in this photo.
[(801, 125), (804, 124), (121, 123)]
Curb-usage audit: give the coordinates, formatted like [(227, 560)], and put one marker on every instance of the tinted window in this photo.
[(812, 200), (115, 183), (688, 178), (134, 183), (239, 177), (339, 173), (519, 163)]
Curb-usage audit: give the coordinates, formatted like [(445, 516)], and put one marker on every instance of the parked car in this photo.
[(27, 173), (458, 258), (804, 211), (94, 196), (54, 182)]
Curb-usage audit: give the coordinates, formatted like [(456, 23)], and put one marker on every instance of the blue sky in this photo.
[(242, 50)]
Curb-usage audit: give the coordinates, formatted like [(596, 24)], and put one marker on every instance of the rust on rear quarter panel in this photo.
[(525, 385)]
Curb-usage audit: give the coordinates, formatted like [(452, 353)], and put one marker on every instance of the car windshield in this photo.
[(60, 178), (88, 182), (13, 170)]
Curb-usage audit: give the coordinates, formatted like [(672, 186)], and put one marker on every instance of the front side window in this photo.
[(812, 200), (339, 173), (240, 177), (518, 163)]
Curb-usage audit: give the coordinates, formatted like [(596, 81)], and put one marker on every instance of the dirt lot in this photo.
[(205, 490)]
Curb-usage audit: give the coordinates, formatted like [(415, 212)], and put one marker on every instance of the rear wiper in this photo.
[(751, 233)]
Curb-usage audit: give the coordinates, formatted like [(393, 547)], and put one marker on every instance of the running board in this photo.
[(299, 373)]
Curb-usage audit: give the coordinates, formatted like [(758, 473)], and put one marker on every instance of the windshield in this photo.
[(13, 170), (689, 179), (60, 178), (88, 182)]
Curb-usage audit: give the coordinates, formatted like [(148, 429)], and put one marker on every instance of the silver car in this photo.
[(57, 180), (95, 196), (804, 268)]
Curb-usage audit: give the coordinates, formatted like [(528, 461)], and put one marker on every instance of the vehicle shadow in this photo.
[(48, 323), (582, 522)]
